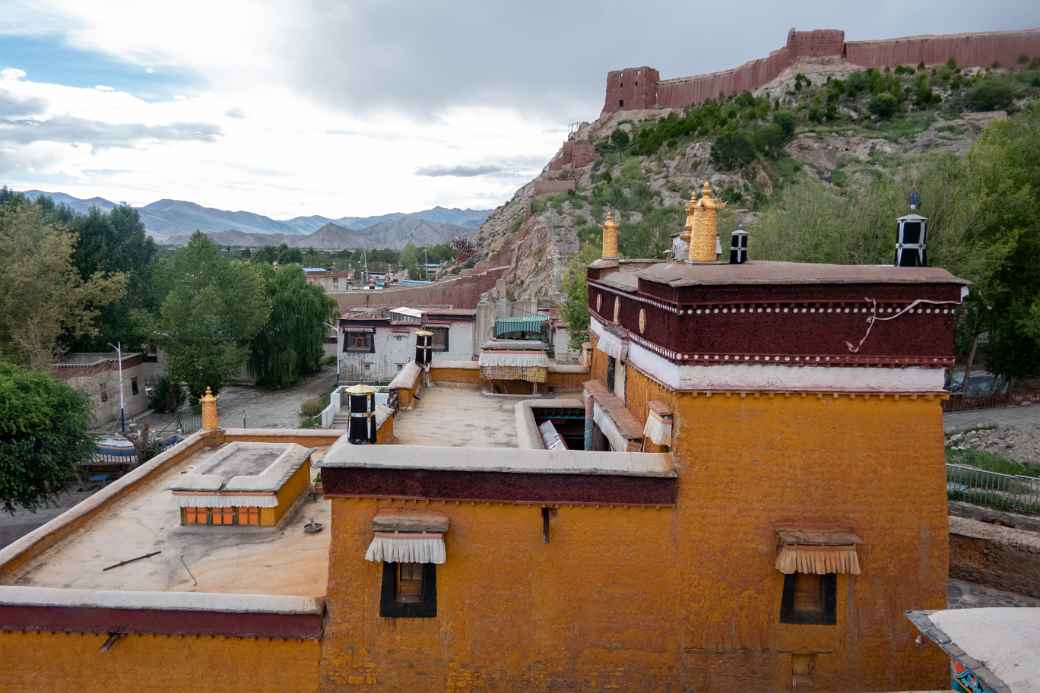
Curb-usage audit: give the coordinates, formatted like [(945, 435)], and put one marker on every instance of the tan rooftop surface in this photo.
[(279, 560), (458, 417)]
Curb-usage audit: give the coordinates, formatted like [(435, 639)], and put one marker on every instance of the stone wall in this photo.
[(463, 292), (981, 49)]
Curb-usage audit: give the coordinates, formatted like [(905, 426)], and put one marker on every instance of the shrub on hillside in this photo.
[(990, 95), (619, 138), (884, 105), (732, 150)]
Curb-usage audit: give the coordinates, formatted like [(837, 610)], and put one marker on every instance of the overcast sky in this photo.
[(346, 107)]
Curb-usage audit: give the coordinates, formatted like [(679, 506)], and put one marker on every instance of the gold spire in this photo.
[(705, 225), (691, 209), (210, 421), (610, 238)]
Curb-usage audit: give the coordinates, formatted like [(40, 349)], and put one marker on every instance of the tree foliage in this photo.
[(212, 308), (984, 225), (43, 436), (575, 308), (290, 345), (42, 295)]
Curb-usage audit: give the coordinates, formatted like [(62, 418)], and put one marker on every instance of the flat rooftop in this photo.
[(279, 560), (458, 417)]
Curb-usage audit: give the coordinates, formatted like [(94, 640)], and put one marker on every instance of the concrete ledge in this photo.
[(46, 536), (176, 613), (527, 434), (1001, 557)]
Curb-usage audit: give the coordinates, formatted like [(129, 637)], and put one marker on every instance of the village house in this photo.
[(333, 281), (97, 375), (742, 490)]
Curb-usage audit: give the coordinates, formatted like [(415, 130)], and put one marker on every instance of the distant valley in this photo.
[(172, 222)]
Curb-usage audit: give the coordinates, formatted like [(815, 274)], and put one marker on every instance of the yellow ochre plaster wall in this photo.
[(295, 486), (59, 663)]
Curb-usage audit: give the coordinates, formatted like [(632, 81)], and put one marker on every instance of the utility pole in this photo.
[(426, 265), (118, 346)]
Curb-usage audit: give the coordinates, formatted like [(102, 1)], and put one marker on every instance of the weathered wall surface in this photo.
[(60, 662), (984, 49), (92, 380), (980, 49), (589, 610), (463, 292), (1001, 557)]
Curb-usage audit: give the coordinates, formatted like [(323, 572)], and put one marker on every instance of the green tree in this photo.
[(115, 241), (732, 150), (884, 105), (410, 260), (211, 310), (575, 308), (42, 295), (990, 95), (43, 436), (291, 344), (1003, 186)]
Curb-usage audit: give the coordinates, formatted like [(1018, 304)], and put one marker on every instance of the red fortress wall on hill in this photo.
[(636, 88)]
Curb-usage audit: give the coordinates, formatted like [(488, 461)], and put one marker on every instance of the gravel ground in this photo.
[(1010, 431)]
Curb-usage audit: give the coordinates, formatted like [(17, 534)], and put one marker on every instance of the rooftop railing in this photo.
[(1008, 492)]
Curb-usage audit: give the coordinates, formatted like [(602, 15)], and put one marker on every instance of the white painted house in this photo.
[(375, 342)]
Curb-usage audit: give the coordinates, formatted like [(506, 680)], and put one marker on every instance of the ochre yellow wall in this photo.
[(566, 382), (466, 376), (683, 598), (513, 613), (385, 432), (60, 663), (296, 485)]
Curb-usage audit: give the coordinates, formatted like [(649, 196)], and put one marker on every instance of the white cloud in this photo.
[(12, 73), (104, 87)]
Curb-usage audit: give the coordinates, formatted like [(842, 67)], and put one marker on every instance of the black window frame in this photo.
[(389, 607), (447, 337), (348, 349), (134, 387), (611, 373), (828, 596)]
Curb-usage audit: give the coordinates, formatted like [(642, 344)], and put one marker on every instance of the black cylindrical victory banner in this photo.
[(362, 428)]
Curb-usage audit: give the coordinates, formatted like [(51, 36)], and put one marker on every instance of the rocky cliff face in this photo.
[(541, 227)]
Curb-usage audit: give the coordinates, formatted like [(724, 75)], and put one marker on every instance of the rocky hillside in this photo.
[(823, 118)]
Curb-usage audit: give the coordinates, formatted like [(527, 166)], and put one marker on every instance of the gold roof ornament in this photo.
[(691, 210), (610, 237), (361, 389), (705, 226)]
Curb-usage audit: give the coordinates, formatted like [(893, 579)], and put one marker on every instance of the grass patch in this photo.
[(991, 462)]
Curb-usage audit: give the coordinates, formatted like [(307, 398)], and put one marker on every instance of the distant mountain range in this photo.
[(172, 222)]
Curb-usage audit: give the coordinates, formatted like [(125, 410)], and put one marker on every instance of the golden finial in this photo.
[(705, 226), (610, 237)]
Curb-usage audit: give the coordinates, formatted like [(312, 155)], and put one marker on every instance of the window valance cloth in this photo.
[(818, 551), (407, 547)]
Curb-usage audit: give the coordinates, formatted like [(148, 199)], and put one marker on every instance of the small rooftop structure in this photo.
[(243, 484), (992, 650), (514, 359), (521, 324)]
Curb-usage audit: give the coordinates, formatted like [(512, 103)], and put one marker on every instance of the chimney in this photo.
[(610, 238), (423, 348), (912, 241), (738, 247), (705, 226), (362, 406)]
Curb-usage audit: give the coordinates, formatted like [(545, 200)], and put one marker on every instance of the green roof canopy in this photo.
[(520, 323)]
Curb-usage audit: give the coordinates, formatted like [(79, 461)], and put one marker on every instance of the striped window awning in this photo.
[(818, 551), (520, 323)]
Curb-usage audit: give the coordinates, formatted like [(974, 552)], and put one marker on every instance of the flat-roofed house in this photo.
[(375, 343)]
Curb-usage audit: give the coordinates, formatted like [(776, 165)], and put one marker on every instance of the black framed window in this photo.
[(134, 389), (809, 599), (359, 342), (409, 590), (611, 371), (440, 338)]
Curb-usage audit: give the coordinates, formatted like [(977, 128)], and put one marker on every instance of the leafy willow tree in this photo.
[(212, 308), (42, 295), (43, 436), (290, 345), (410, 260)]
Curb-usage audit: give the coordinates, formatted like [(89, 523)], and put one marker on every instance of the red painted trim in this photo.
[(499, 486), (63, 619)]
